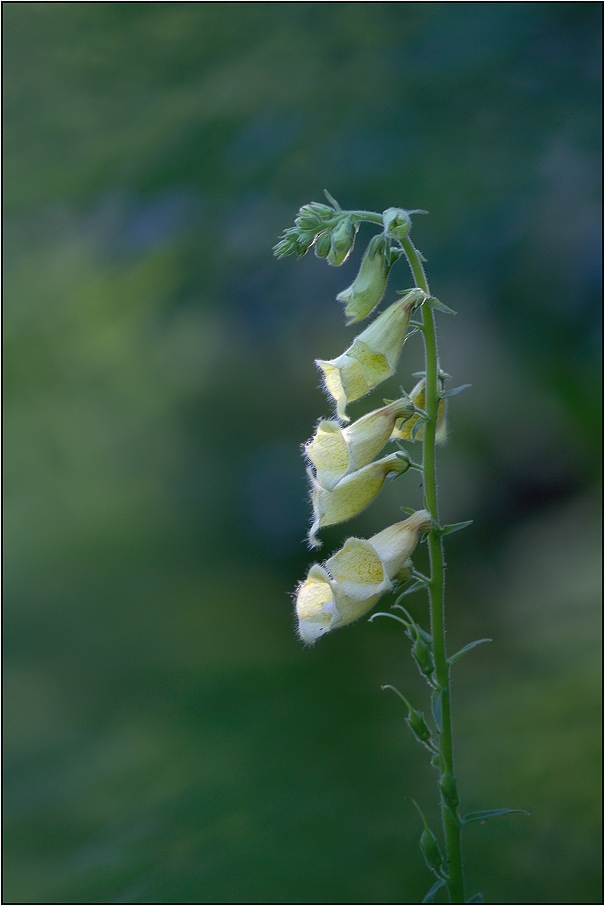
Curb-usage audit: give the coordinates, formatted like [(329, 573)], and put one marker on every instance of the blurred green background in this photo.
[(167, 738)]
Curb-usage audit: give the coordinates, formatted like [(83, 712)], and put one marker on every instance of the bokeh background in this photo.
[(167, 738)]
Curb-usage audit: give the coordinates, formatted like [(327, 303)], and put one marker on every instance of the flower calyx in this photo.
[(413, 428)]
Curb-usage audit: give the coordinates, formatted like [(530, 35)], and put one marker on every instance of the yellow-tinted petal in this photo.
[(358, 569), (315, 605), (366, 437), (395, 545), (329, 453)]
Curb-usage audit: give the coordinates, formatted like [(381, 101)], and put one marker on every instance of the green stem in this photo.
[(451, 821)]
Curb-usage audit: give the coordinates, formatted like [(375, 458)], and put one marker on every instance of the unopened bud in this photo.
[(418, 725), (342, 241), (322, 246), (430, 850), (421, 653), (366, 291), (397, 223)]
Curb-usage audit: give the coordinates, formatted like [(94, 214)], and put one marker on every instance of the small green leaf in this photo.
[(432, 302), (417, 428), (455, 657), (391, 615), (455, 391), (492, 813), (409, 591), (421, 578), (408, 509), (431, 894), (454, 527)]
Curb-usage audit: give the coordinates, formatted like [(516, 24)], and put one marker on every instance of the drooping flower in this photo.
[(335, 451), (367, 289), (372, 357), (353, 580), (352, 494), (405, 430)]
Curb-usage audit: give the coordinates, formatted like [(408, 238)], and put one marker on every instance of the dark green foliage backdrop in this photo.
[(167, 739)]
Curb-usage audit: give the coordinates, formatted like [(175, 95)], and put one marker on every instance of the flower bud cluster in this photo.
[(331, 232), (343, 471), (309, 222)]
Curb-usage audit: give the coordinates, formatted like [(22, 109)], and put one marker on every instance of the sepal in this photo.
[(492, 813)]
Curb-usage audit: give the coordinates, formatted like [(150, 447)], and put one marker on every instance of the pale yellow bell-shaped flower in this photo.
[(336, 451), (352, 494), (356, 577), (404, 430), (372, 357)]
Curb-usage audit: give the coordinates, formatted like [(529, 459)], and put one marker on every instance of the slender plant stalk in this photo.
[(436, 588)]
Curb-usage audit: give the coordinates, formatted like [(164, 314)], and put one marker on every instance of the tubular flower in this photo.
[(336, 452), (354, 579), (372, 357), (367, 289), (352, 494), (405, 430), (342, 241)]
